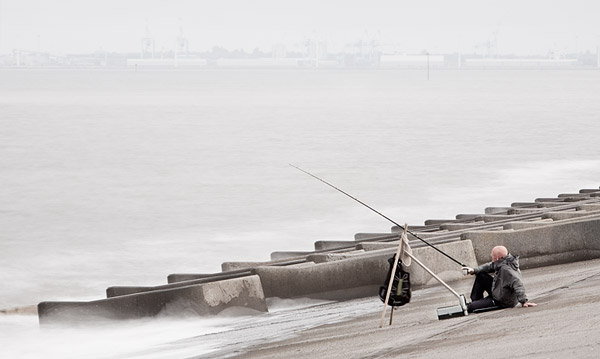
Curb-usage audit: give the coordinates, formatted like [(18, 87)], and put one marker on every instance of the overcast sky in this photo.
[(519, 27)]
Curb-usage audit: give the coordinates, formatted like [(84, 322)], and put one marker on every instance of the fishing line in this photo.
[(379, 213)]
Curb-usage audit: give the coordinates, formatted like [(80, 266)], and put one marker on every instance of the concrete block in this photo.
[(500, 227), (527, 224), (337, 280), (526, 205), (329, 257), (194, 300), (116, 291), (288, 254), (379, 237), (499, 217), (237, 266), (329, 245), (415, 227), (360, 236), (460, 226), (468, 216), (361, 275), (191, 280), (558, 216), (393, 236), (576, 199), (497, 210), (550, 244), (440, 264), (438, 221), (426, 235), (374, 246), (551, 204), (562, 195), (550, 199), (517, 211), (230, 266), (306, 263), (589, 207), (181, 277)]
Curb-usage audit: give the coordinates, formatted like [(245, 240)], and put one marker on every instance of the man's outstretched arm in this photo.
[(519, 290)]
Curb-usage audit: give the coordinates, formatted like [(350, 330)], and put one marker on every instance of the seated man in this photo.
[(505, 289)]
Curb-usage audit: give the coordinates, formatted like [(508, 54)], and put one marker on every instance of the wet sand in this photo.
[(566, 323)]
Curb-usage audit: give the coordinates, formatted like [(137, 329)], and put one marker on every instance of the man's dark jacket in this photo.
[(507, 288)]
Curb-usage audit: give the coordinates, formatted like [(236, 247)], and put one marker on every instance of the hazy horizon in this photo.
[(510, 27)]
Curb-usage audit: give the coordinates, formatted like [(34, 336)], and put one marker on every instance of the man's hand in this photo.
[(528, 304), (468, 270)]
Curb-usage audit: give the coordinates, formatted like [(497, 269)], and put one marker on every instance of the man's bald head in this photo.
[(499, 252)]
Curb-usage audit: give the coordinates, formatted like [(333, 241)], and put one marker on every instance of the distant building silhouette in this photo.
[(147, 45)]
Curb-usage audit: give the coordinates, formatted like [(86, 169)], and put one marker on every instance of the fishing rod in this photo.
[(379, 213)]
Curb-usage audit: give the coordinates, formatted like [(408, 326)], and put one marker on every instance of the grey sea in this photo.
[(118, 177)]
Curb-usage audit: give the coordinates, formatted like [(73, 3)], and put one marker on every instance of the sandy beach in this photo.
[(565, 324)]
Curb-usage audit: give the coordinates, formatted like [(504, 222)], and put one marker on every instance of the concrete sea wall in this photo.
[(544, 232), (192, 300), (542, 245)]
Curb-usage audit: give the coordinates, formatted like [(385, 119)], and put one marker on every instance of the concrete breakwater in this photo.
[(544, 232)]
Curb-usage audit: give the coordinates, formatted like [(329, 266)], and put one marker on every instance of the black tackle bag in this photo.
[(400, 294)]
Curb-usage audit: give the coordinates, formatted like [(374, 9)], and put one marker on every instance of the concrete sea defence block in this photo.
[(550, 244), (527, 224), (360, 236), (245, 265), (460, 226), (498, 217), (379, 237), (551, 204), (562, 195), (472, 217), (524, 211), (589, 207), (585, 195), (325, 280), (575, 198), (235, 266), (589, 190), (181, 277), (559, 216), (426, 235), (497, 210), (360, 275), (553, 199), (440, 264), (194, 300), (231, 266), (437, 222), (288, 254), (329, 245), (202, 278), (526, 205), (367, 246), (537, 204), (329, 257), (412, 227)]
